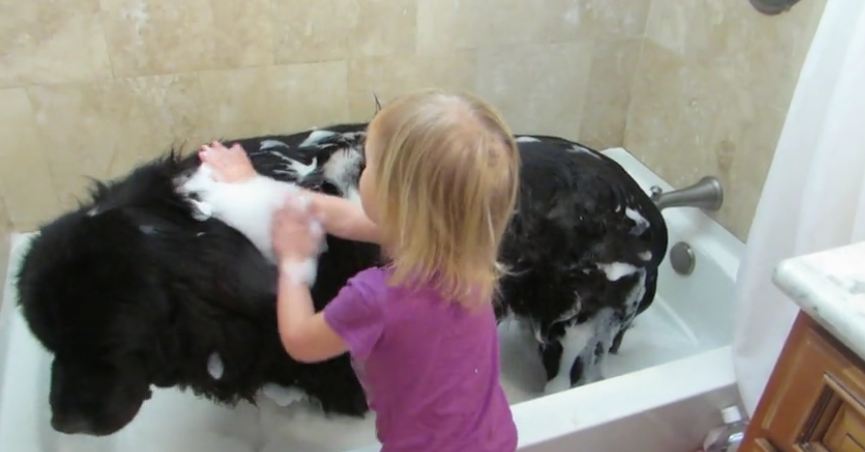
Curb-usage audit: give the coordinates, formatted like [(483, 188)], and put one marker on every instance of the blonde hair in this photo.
[(447, 172)]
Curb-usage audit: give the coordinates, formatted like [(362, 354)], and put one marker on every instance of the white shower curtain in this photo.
[(814, 196)]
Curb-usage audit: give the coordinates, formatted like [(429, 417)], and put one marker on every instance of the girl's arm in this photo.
[(305, 334), (344, 218), (339, 216)]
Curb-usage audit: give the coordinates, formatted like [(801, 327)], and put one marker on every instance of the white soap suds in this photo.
[(635, 296), (641, 224), (147, 229), (301, 272), (617, 270), (535, 327), (527, 140), (316, 137), (573, 343), (353, 136), (214, 366), (302, 202), (246, 206), (282, 395), (573, 311), (315, 229), (301, 169), (354, 196), (139, 15), (201, 211), (343, 170), (270, 144), (572, 16), (295, 166)]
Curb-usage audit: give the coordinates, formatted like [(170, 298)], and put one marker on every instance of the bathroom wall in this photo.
[(88, 88), (91, 87), (711, 91)]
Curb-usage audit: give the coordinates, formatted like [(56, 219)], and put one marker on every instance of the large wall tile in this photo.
[(388, 77), (763, 53), (670, 114), (26, 184), (164, 114), (339, 29), (314, 31), (711, 92), (539, 88), (508, 22), (500, 22), (449, 25), (51, 42), (385, 27), (245, 33), (624, 18), (749, 160), (158, 37), (5, 224), (692, 88), (99, 130), (276, 99), (445, 26), (613, 68)]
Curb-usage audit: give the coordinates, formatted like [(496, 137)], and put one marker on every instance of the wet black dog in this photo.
[(135, 288)]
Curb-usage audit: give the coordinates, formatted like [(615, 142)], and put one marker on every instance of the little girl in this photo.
[(437, 194)]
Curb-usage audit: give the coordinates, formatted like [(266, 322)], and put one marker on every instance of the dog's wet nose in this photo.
[(71, 424)]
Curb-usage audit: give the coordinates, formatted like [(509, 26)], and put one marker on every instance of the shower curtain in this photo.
[(814, 196)]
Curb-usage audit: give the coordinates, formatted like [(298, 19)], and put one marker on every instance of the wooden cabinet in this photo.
[(815, 398)]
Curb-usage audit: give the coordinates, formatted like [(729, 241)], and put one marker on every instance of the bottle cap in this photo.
[(731, 414)]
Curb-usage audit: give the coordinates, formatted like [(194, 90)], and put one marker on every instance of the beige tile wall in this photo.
[(89, 88), (711, 91)]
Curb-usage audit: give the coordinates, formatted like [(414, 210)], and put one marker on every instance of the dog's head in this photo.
[(84, 293)]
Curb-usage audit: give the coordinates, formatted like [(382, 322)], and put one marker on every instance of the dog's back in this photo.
[(197, 298)]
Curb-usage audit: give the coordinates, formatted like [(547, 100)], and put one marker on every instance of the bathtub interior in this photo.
[(690, 315)]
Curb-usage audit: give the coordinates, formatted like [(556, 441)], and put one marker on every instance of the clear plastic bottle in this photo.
[(727, 437)]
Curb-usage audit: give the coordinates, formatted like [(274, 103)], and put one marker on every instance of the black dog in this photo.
[(135, 288)]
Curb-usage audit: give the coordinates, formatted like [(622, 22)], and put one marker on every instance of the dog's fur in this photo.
[(136, 288)]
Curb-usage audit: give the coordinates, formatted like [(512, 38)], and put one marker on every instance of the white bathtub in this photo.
[(661, 393)]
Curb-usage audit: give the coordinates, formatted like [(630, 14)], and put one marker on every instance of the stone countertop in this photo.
[(830, 287)]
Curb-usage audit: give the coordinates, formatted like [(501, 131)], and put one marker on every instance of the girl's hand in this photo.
[(297, 235), (229, 164)]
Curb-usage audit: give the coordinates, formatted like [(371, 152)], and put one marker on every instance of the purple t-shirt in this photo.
[(429, 367)]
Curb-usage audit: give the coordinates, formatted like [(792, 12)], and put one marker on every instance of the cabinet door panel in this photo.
[(814, 399)]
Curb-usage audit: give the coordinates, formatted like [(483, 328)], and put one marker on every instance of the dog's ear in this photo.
[(163, 363), (377, 103), (162, 338)]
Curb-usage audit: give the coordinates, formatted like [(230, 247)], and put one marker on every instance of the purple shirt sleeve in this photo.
[(356, 314)]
